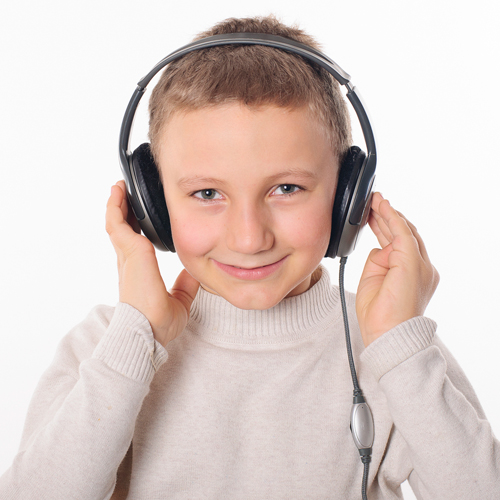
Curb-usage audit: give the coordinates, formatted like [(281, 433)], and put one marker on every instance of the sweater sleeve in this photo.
[(451, 444), (82, 415)]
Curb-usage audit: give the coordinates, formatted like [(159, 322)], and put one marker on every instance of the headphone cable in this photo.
[(361, 416)]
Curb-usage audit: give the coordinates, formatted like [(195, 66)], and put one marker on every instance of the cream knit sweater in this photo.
[(251, 405)]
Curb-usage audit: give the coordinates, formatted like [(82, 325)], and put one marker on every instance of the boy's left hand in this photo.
[(398, 280)]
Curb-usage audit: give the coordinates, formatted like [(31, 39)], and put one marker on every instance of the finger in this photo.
[(114, 212), (382, 229), (128, 213), (124, 204), (396, 227), (118, 229), (421, 245), (376, 228), (394, 223)]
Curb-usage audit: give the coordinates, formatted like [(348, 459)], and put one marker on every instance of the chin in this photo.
[(254, 298)]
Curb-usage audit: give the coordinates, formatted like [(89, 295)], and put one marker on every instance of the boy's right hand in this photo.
[(140, 281)]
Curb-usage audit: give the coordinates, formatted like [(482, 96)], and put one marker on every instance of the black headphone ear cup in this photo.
[(150, 189), (348, 175)]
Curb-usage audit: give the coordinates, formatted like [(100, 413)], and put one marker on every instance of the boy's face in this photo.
[(249, 189)]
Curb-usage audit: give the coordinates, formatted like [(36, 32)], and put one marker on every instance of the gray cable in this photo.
[(366, 461), (357, 393), (357, 390)]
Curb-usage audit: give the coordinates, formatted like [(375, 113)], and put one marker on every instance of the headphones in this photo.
[(357, 171)]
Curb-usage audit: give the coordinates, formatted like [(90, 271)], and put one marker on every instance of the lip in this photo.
[(257, 273)]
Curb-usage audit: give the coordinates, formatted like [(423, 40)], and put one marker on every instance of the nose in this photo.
[(249, 229)]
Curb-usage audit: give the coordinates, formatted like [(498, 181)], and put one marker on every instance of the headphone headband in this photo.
[(278, 42)]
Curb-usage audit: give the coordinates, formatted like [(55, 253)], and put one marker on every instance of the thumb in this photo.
[(184, 289)]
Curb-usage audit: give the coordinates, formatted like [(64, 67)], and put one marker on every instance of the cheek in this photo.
[(310, 230), (193, 236)]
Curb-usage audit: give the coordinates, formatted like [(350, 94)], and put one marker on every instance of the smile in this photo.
[(254, 273)]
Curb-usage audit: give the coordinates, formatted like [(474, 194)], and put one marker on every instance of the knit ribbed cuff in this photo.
[(398, 344), (129, 347)]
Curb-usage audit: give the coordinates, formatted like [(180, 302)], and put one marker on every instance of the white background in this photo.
[(428, 72)]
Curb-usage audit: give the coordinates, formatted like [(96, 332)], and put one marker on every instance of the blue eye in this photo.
[(212, 194), (206, 194), (288, 189)]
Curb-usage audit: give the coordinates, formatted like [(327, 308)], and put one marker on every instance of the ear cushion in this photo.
[(151, 190), (348, 175)]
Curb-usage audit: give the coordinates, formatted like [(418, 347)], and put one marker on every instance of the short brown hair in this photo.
[(255, 75)]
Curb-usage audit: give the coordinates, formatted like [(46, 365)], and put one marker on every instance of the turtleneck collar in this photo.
[(291, 319)]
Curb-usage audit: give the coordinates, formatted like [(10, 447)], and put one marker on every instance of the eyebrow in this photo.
[(186, 182)]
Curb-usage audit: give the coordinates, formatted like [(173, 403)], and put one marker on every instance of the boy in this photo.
[(239, 388)]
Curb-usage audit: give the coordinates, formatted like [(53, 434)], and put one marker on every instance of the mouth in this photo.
[(256, 267), (251, 273)]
